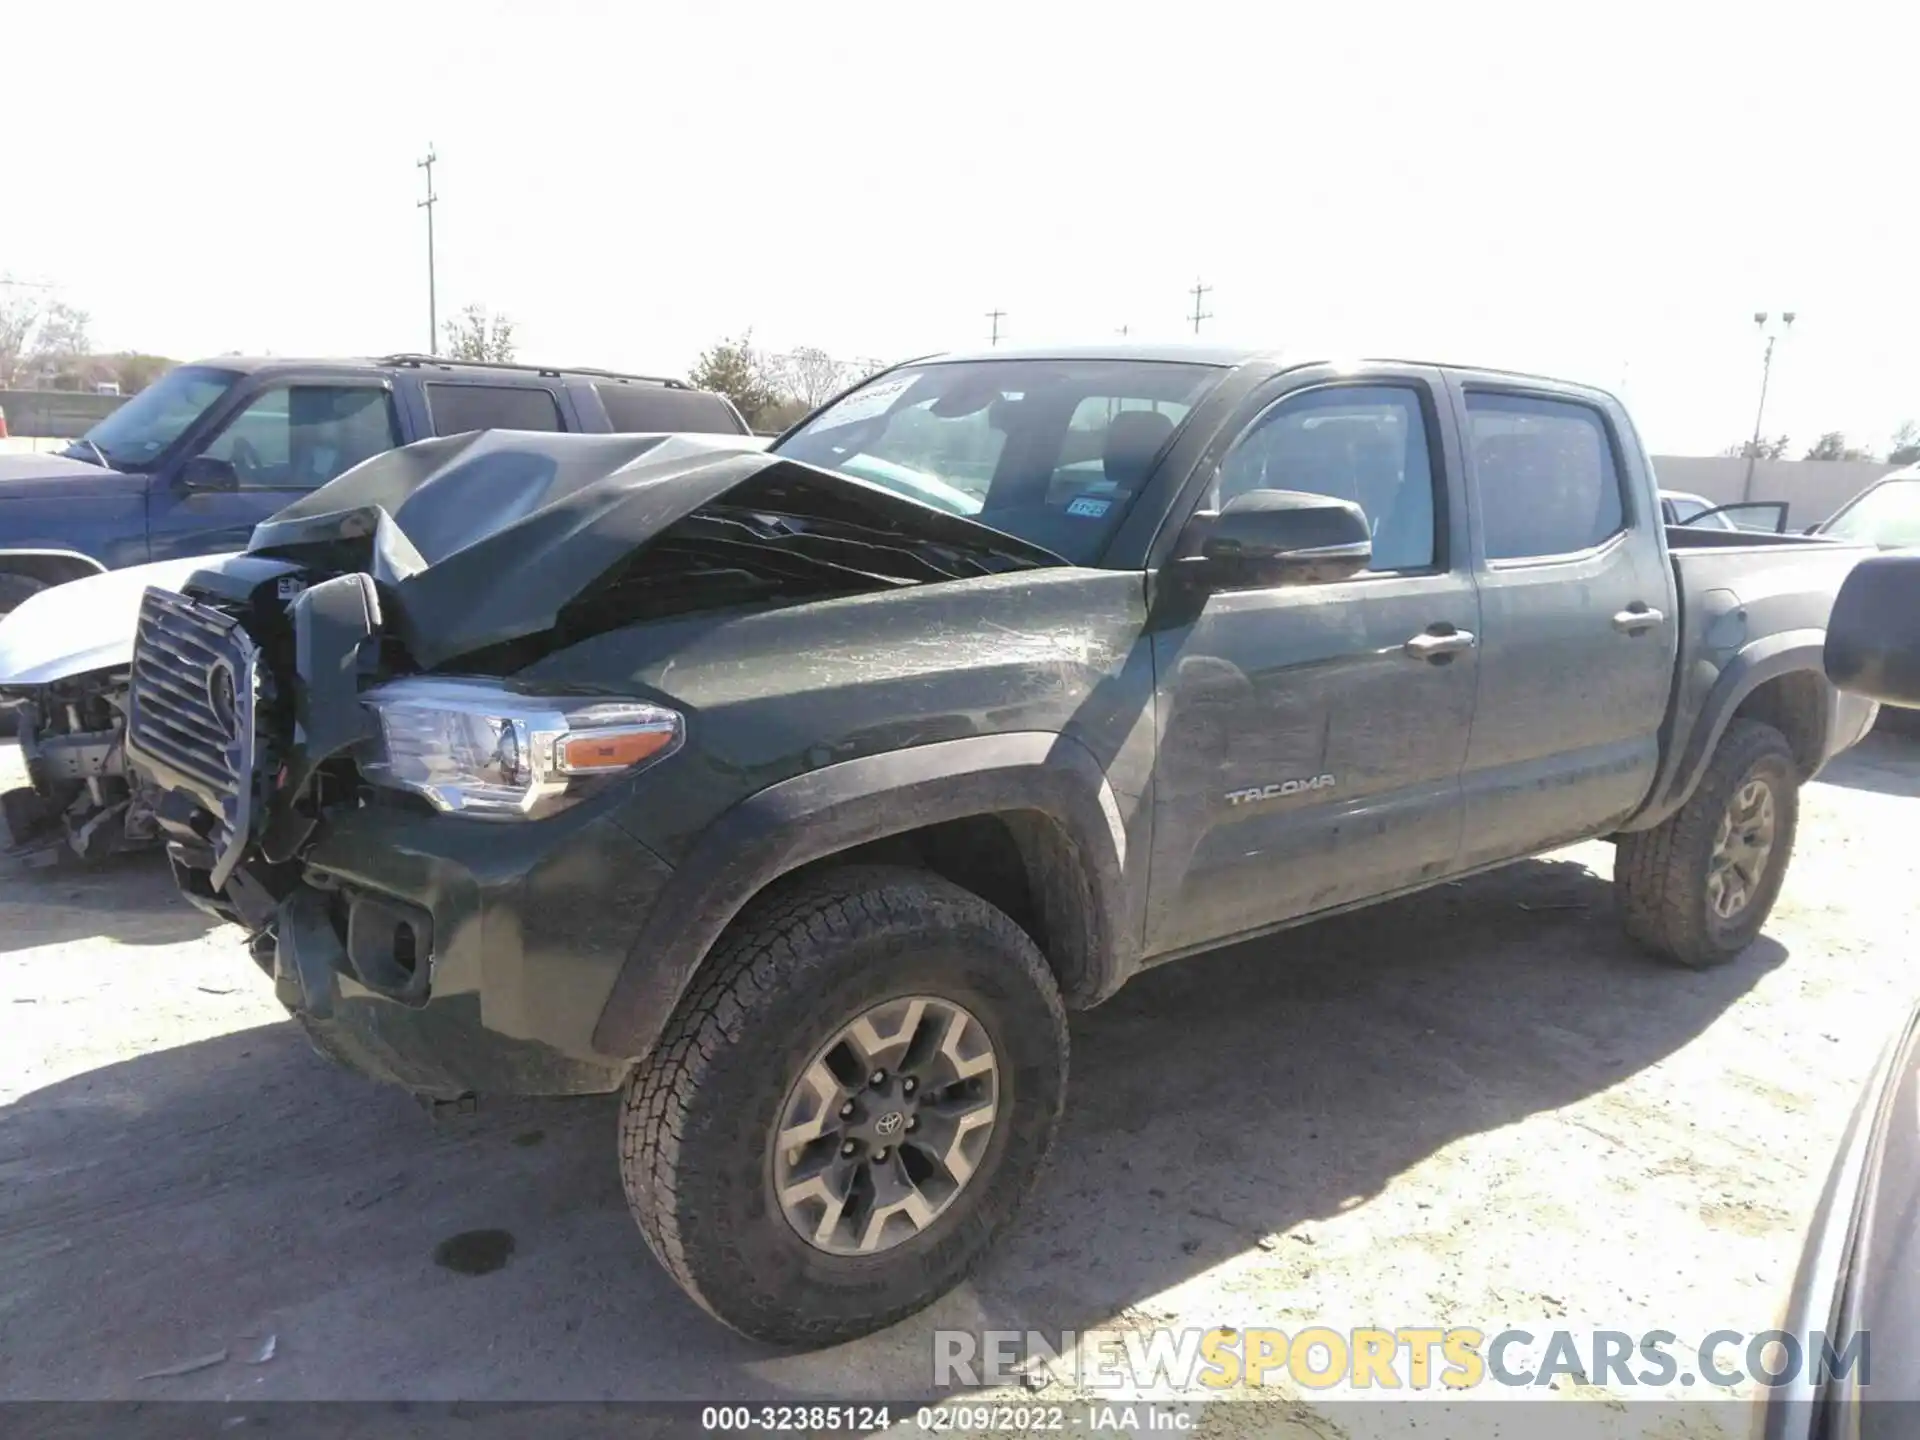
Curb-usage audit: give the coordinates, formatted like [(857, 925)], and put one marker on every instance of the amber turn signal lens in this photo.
[(611, 749)]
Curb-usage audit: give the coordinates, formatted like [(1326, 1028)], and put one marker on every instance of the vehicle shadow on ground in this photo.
[(130, 899), (198, 1198), (1887, 761)]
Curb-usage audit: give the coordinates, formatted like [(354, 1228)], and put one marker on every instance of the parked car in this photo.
[(188, 466), (1856, 1278), (1886, 513), (802, 809), (1681, 508)]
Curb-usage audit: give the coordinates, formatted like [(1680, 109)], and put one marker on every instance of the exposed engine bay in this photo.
[(79, 796)]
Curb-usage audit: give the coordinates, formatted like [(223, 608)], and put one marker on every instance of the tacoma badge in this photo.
[(1278, 789)]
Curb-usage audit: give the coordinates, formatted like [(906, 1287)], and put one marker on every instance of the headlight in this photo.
[(473, 747)]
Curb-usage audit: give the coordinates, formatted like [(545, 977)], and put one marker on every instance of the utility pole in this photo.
[(1199, 293), (995, 316), (1124, 331), (433, 310), (1766, 369)]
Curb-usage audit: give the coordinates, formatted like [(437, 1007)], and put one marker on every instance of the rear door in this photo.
[(1577, 642), (1311, 736), (283, 437)]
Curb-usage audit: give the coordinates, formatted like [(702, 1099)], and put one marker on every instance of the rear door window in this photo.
[(456, 409), (1546, 475), (642, 409)]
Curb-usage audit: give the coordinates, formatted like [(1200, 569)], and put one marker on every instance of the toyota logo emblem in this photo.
[(889, 1122), (221, 697)]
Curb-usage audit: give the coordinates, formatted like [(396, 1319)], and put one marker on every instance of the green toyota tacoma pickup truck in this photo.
[(800, 794)]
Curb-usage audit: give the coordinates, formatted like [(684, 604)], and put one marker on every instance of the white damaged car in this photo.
[(65, 654)]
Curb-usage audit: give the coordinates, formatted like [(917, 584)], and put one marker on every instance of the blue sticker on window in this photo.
[(1089, 507)]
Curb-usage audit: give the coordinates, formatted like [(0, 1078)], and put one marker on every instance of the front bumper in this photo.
[(454, 956)]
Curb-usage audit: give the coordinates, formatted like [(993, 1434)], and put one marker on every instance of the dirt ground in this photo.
[(1478, 1106)]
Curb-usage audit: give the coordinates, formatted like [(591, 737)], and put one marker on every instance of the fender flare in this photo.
[(1767, 658), (833, 809)]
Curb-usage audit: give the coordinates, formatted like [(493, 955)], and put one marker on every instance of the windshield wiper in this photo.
[(99, 455)]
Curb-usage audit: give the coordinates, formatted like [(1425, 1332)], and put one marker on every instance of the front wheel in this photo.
[(1696, 888), (848, 1107)]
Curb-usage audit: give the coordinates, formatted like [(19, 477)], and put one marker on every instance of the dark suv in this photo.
[(192, 463)]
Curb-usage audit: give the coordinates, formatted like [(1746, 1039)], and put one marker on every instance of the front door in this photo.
[(282, 441), (1577, 647), (1311, 736)]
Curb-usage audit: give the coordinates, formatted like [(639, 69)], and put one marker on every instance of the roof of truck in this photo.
[(1223, 356), (1177, 352)]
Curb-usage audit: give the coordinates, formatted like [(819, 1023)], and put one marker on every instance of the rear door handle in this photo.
[(1429, 646), (1637, 617)]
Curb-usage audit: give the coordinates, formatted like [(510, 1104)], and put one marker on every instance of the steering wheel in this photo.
[(246, 459)]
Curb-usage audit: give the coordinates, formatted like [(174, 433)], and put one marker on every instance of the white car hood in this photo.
[(84, 625)]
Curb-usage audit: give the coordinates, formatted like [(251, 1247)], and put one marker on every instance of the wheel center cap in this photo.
[(889, 1123)]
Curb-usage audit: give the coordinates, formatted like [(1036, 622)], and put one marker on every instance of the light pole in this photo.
[(433, 314), (1766, 369)]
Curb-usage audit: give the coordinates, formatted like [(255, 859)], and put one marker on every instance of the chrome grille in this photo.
[(190, 720)]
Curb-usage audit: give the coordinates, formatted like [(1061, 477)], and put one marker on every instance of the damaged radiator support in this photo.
[(80, 796)]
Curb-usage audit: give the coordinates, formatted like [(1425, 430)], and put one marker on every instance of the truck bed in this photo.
[(1734, 589)]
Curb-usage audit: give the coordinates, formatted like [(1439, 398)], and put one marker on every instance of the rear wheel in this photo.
[(849, 1107), (1696, 888)]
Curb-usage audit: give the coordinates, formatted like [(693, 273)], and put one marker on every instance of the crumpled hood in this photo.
[(483, 538), (41, 477)]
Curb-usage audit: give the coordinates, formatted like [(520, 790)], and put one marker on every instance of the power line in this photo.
[(996, 316), (433, 311), (1766, 370), (1199, 293)]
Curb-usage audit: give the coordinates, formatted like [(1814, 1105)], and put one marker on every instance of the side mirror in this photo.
[(1873, 634), (208, 472), (1279, 537)]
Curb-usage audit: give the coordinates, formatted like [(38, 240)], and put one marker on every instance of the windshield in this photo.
[(132, 437), (1051, 451), (1888, 514)]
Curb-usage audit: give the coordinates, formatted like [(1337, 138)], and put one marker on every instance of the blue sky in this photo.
[(1607, 193)]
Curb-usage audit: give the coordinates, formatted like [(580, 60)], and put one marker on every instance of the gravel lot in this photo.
[(1477, 1106)]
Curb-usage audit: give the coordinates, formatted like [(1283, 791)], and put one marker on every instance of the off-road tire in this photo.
[(15, 587), (699, 1113), (1660, 875)]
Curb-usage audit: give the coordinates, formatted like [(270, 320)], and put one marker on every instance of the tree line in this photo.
[(772, 390), (1834, 445), (46, 344)]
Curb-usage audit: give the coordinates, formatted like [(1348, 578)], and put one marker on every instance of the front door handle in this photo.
[(1637, 617), (1437, 647)]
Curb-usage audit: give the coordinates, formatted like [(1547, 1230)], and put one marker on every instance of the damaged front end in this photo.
[(64, 659), (419, 846), (80, 798)]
